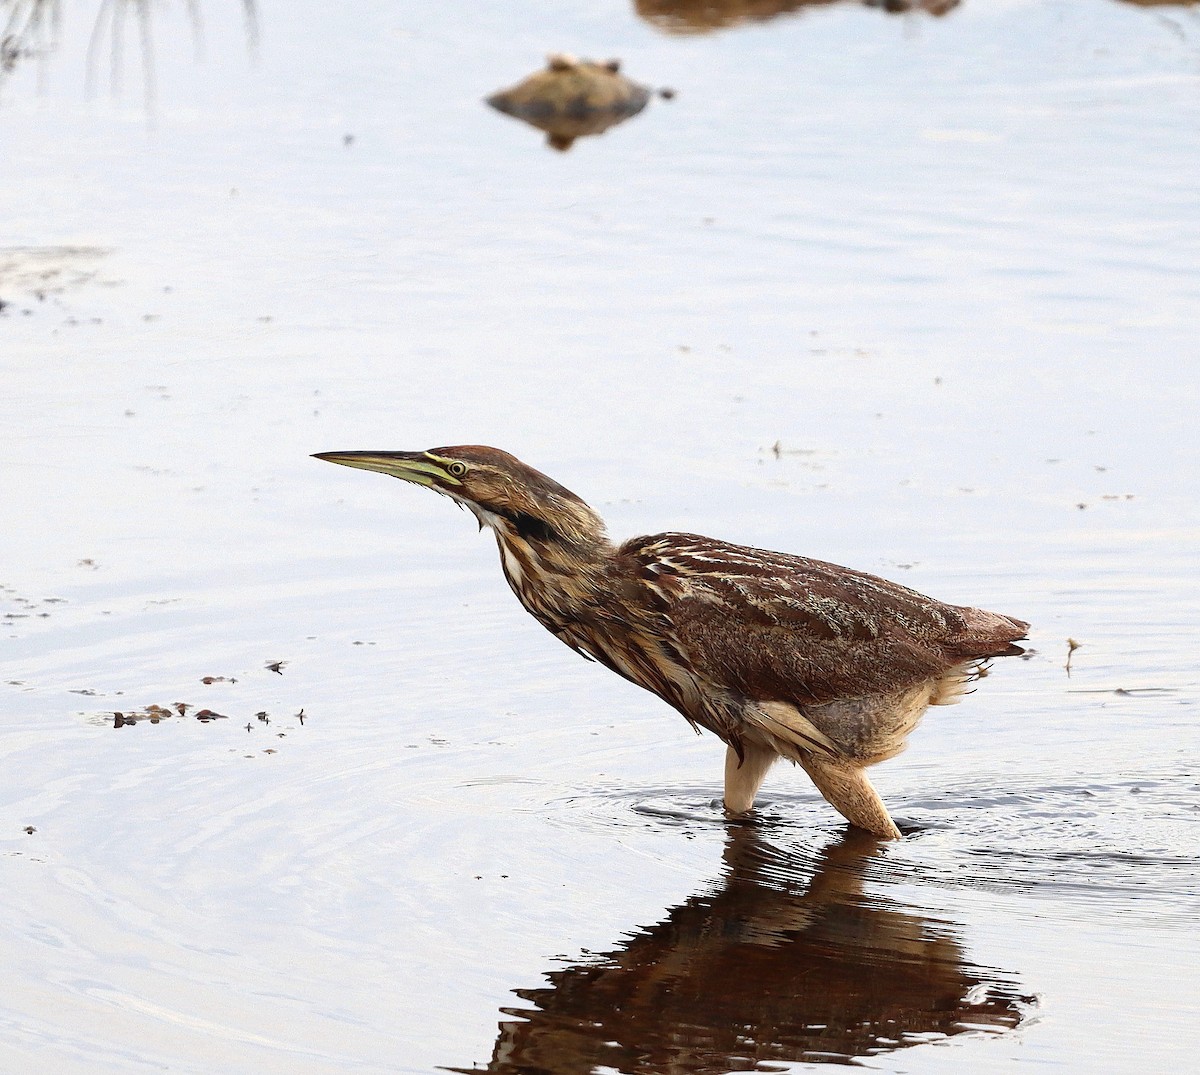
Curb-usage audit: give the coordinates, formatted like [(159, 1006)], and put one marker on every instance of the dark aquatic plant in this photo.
[(111, 23), (30, 28), (33, 28)]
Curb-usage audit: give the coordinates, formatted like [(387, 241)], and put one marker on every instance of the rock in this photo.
[(572, 98)]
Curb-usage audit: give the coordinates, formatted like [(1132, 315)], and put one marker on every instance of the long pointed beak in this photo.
[(407, 466)]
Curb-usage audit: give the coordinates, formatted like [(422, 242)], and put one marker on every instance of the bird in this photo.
[(780, 656)]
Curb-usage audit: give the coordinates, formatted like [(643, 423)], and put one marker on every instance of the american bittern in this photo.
[(778, 655)]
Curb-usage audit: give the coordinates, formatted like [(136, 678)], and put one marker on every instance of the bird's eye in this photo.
[(456, 469)]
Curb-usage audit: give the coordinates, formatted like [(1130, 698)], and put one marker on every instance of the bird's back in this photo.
[(777, 626)]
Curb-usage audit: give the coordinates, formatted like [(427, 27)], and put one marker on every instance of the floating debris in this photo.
[(156, 714), (49, 270), (573, 98)]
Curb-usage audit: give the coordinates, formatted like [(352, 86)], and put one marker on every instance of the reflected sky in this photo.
[(783, 961)]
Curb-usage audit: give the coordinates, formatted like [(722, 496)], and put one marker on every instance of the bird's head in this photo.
[(498, 488)]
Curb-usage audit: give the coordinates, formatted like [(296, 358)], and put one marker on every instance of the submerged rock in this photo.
[(572, 98)]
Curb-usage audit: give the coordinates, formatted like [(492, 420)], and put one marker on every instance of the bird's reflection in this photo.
[(780, 964)]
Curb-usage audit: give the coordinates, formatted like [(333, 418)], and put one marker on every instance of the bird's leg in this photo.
[(744, 776), (847, 789)]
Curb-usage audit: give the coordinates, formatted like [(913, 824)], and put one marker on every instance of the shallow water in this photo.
[(911, 293)]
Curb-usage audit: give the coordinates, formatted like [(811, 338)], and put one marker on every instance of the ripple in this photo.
[(1120, 842), (1124, 842), (604, 807)]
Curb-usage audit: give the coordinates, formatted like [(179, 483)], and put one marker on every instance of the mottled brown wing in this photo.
[(780, 627)]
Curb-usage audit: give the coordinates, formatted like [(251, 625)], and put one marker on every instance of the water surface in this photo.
[(912, 292)]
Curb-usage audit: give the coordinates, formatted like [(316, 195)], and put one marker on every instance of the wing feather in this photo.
[(774, 626)]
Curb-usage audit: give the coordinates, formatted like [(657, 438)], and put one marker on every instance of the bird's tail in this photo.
[(990, 634)]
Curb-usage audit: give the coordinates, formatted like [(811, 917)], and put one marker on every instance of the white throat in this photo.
[(485, 517)]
